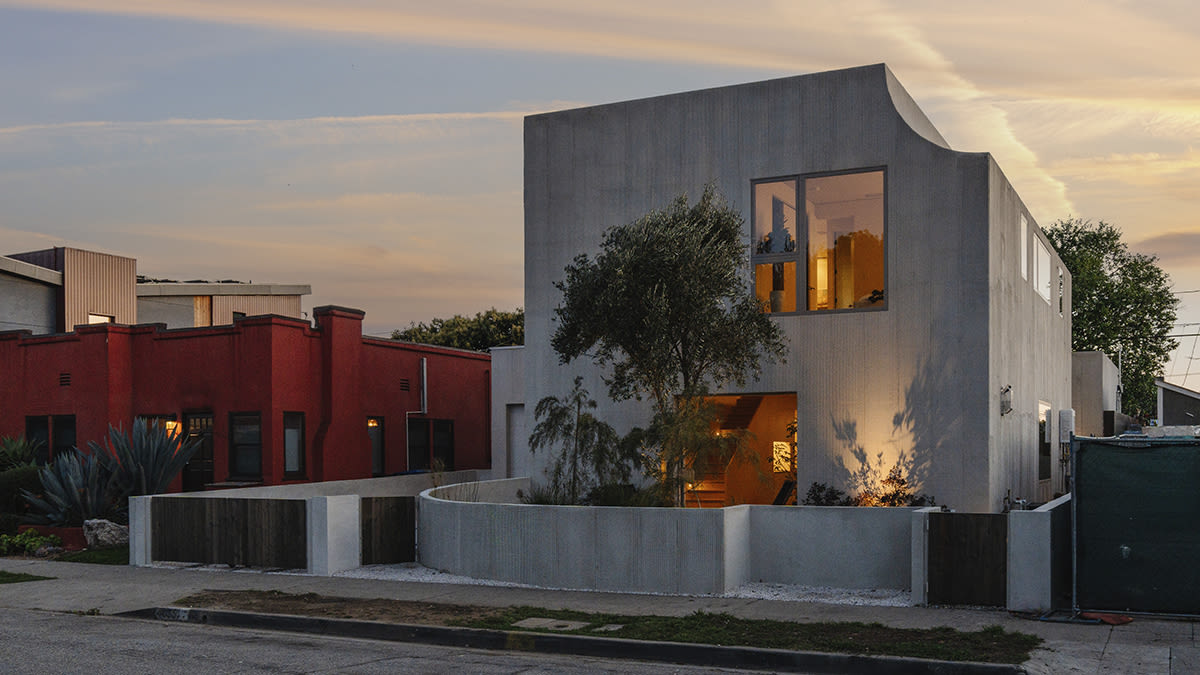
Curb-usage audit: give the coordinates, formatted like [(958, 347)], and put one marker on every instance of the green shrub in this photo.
[(12, 482), (9, 523), (17, 451), (26, 542), (820, 494)]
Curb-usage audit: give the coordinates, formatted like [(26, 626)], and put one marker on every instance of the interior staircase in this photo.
[(707, 494), (708, 489)]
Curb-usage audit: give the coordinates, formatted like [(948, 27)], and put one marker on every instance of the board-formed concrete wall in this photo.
[(659, 550), (918, 382), (837, 546)]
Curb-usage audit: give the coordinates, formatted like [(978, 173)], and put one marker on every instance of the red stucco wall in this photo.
[(268, 364)]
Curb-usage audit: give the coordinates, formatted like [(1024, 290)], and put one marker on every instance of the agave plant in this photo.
[(147, 459), (75, 488), (79, 486)]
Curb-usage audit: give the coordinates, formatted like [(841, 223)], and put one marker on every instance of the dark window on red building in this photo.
[(293, 444), (54, 433), (245, 446), (430, 444), (443, 444)]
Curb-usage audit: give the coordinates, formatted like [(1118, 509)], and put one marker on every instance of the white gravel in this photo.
[(881, 597)]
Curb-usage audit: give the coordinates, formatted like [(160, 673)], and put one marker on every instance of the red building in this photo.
[(272, 399)]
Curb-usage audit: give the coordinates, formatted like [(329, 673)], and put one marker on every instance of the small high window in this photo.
[(1041, 272), (1044, 439), (1024, 247), (835, 244)]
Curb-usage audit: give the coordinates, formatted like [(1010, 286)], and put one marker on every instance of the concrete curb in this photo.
[(641, 650)]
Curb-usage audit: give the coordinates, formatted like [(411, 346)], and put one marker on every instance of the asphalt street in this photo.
[(34, 641)]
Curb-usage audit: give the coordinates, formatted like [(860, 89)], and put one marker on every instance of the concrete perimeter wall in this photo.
[(388, 486), (660, 550), (837, 546), (333, 514), (1038, 548)]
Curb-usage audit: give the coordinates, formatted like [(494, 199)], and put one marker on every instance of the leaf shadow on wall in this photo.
[(931, 419)]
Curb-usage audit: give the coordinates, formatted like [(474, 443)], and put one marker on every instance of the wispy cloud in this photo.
[(308, 200), (1172, 248)]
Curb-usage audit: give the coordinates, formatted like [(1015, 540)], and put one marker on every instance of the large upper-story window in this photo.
[(834, 245)]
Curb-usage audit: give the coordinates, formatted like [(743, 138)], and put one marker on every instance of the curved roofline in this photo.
[(910, 112)]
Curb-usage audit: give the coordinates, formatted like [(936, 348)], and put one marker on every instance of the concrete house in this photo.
[(927, 315), (55, 289)]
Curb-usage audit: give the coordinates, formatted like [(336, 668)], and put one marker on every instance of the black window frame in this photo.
[(52, 441), (434, 448), (800, 256), (236, 448), (296, 420)]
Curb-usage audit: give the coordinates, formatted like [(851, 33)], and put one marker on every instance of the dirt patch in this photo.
[(311, 604)]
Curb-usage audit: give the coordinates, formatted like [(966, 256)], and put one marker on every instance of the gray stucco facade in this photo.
[(926, 379), (29, 296)]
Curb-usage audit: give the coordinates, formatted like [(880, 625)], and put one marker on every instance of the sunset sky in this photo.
[(373, 149)]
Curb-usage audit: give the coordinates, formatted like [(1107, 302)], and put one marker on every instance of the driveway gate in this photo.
[(967, 559), (1137, 525)]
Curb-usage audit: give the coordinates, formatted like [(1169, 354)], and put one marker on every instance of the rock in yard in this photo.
[(104, 533)]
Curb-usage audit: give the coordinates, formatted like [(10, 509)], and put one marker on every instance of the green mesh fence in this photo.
[(1137, 525)]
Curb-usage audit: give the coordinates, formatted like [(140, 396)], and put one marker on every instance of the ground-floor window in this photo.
[(375, 434), (162, 421), (766, 474), (198, 472), (430, 444), (245, 446), (1044, 440), (293, 444), (52, 433)]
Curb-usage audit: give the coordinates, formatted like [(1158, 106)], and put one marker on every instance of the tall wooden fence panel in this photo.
[(968, 559), (238, 532), (389, 529)]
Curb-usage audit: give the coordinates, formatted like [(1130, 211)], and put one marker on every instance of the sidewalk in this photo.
[(1144, 646)]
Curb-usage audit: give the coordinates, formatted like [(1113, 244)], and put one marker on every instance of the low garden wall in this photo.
[(660, 550), (321, 527)]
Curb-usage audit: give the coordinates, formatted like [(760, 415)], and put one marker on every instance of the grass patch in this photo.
[(118, 555), (18, 577), (992, 644)]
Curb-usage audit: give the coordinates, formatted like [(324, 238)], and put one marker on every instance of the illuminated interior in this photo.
[(843, 229), (845, 241), (758, 476)]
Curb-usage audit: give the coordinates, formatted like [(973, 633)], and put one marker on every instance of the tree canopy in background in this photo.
[(481, 332), (1121, 304), (667, 304)]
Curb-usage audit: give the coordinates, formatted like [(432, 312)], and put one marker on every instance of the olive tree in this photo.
[(666, 308)]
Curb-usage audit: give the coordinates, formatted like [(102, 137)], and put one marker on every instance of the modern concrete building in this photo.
[(53, 290), (56, 289), (1096, 395), (207, 303), (927, 315)]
